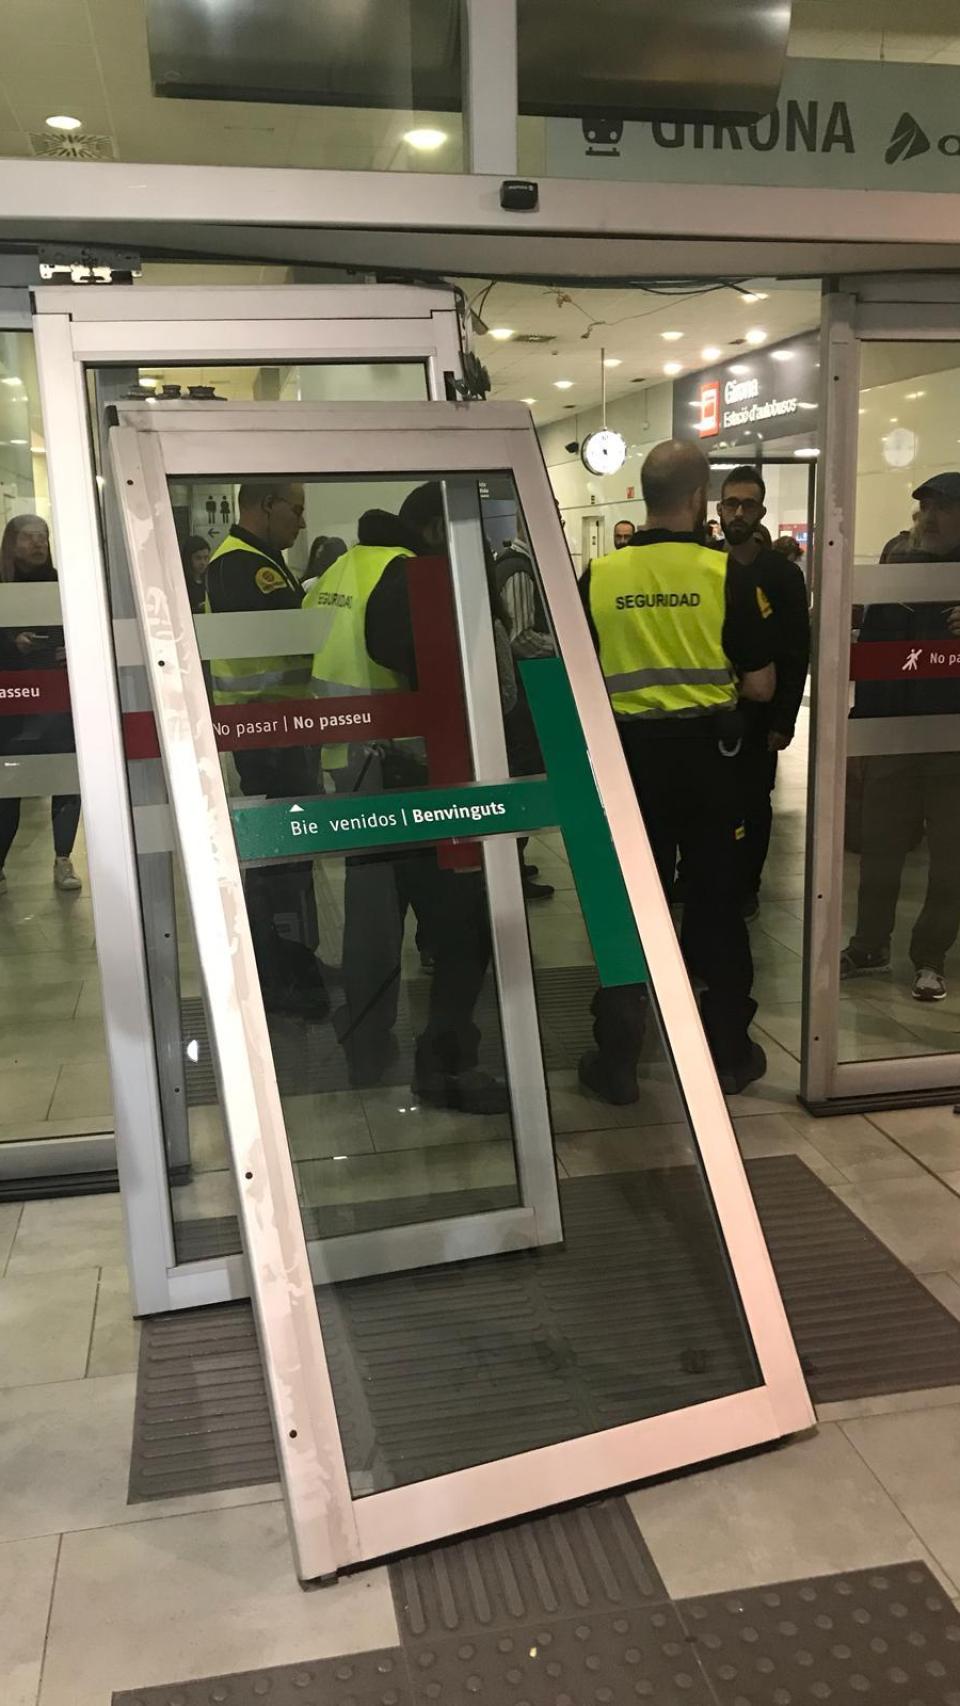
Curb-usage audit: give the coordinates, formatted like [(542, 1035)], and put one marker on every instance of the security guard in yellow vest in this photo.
[(368, 647), (678, 644), (247, 572)]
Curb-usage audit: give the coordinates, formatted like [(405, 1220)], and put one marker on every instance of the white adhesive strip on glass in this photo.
[(38, 775), (153, 828), (29, 605), (878, 737), (126, 643), (254, 633), (906, 583)]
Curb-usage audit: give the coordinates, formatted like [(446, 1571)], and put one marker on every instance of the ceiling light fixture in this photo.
[(756, 335), (529, 401), (812, 451), (671, 337), (782, 354), (426, 141), (612, 361), (711, 353), (739, 369), (563, 384), (754, 296), (19, 441), (147, 382), (911, 396), (670, 367), (63, 121), (13, 381), (502, 333)]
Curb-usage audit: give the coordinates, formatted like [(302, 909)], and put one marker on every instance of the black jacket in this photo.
[(785, 589)]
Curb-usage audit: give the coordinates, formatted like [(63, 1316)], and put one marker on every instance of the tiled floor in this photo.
[(98, 1595), (53, 1076)]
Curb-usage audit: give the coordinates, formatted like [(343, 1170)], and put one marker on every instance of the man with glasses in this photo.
[(769, 728), (247, 572)]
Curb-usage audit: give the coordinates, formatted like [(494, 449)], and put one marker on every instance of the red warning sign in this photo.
[(904, 660)]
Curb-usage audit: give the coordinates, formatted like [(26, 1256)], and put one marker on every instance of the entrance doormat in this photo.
[(559, 1359)]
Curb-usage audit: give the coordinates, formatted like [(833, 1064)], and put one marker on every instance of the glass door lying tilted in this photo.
[(417, 877)]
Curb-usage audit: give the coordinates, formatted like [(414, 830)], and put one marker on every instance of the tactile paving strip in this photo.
[(583, 1661), (619, 1323), (885, 1635), (358, 1679), (587, 1558)]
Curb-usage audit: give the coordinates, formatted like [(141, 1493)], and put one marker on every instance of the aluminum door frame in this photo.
[(76, 329), (887, 310), (330, 1528)]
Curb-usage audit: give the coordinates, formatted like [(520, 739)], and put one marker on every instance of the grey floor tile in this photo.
[(10, 1213), (201, 1595), (919, 1219), (805, 1508), (115, 1339), (45, 1324), (932, 1135), (26, 1583), (68, 1232), (916, 1458)]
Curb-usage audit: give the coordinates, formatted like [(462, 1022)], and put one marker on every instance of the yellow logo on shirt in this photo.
[(269, 580), (763, 603)]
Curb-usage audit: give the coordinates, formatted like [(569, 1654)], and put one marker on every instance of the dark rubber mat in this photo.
[(308, 1057), (584, 1559), (885, 1635), (358, 1679), (864, 1325), (197, 1240), (439, 1368)]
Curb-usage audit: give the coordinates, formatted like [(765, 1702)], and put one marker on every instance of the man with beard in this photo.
[(907, 796), (768, 728), (678, 644)]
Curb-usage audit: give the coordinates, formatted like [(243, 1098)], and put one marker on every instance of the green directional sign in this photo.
[(566, 799), (346, 823)]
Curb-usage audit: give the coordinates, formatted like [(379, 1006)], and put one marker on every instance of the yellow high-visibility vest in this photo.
[(659, 610), (239, 681), (341, 664)]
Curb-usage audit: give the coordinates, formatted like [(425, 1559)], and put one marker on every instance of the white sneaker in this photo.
[(929, 985), (65, 877)]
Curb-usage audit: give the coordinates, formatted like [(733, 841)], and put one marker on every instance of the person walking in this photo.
[(678, 642), (25, 557), (768, 728)]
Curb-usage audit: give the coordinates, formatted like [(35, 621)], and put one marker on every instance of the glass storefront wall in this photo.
[(53, 1077)]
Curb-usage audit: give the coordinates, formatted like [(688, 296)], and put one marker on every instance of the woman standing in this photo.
[(196, 558), (25, 556)]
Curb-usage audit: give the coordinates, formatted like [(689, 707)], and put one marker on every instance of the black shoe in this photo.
[(751, 907), (854, 962), (537, 891), (751, 1067), (618, 1086), (471, 1092), (530, 870), (299, 1001)]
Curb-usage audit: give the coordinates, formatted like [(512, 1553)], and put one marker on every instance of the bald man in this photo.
[(677, 645)]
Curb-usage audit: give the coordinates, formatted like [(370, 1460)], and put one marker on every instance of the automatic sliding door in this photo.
[(884, 1022), (462, 1316)]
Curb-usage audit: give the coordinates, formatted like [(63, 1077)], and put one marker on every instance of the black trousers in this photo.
[(758, 773), (64, 819), (903, 798), (689, 795), (280, 898), (451, 913)]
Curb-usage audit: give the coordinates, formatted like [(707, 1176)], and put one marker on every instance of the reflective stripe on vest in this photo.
[(342, 666), (238, 681), (659, 610)]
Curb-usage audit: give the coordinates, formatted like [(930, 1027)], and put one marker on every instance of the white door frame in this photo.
[(330, 1527), (858, 311), (76, 329)]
